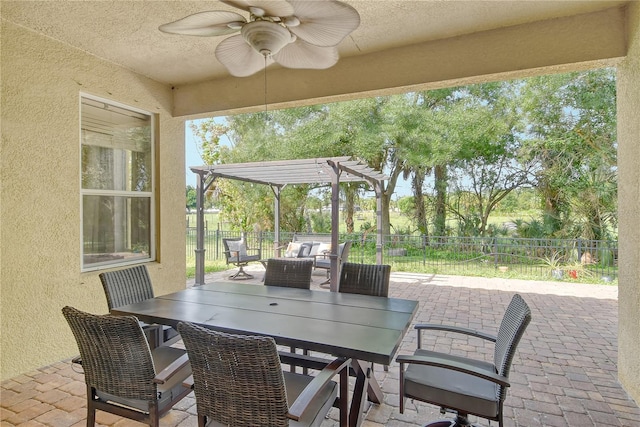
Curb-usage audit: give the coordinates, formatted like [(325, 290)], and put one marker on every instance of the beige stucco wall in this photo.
[(40, 200), (629, 210), (558, 45)]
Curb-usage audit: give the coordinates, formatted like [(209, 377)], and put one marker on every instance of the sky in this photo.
[(193, 158)]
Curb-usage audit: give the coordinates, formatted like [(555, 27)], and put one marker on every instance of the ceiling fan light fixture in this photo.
[(266, 37)]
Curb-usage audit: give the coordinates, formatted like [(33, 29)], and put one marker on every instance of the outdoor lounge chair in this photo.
[(238, 381), (123, 376), (236, 253), (462, 384), (323, 261)]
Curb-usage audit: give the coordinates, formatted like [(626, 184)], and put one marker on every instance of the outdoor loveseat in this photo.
[(319, 251)]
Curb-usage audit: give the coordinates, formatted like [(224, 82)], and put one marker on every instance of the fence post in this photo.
[(579, 242), (495, 252), (217, 243)]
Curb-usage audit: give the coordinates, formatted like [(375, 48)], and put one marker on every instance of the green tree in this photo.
[(427, 124), (465, 136), (572, 136), (353, 128), (262, 137), (192, 197), (208, 132), (487, 166)]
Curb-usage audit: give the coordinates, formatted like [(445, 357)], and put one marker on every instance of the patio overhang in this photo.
[(279, 173)]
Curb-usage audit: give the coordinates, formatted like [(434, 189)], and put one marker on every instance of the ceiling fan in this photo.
[(293, 33)]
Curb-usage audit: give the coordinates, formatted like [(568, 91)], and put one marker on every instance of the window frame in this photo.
[(150, 195)]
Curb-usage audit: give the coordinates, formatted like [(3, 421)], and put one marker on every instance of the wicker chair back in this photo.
[(289, 272), (365, 279)]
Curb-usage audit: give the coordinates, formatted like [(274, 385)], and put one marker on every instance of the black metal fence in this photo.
[(541, 259)]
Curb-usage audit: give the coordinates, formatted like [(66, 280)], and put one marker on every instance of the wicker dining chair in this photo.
[(123, 376), (462, 384), (131, 285), (291, 273), (365, 279), (238, 381)]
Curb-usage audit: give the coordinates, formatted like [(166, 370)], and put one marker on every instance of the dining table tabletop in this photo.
[(366, 329)]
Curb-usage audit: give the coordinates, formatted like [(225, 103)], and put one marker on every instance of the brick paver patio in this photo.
[(564, 373)]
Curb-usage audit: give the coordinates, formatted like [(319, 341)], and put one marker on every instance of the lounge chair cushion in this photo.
[(324, 248), (453, 389), (236, 247), (305, 250), (314, 249), (292, 250)]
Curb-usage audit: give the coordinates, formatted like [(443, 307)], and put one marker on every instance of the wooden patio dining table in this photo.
[(360, 327)]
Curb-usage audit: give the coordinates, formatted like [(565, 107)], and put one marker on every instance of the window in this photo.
[(117, 184)]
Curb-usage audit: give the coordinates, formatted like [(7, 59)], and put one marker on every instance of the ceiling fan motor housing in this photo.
[(266, 37)]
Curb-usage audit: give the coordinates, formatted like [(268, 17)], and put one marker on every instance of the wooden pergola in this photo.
[(280, 173)]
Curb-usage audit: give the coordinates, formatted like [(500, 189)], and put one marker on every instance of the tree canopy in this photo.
[(464, 150)]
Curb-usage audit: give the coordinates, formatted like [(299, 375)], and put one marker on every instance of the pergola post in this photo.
[(276, 208), (378, 189), (200, 229), (201, 188), (335, 227)]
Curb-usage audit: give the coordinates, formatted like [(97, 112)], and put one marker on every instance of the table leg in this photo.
[(359, 397), (366, 387), (344, 398), (374, 392)]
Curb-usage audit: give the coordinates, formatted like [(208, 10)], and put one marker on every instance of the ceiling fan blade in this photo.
[(301, 54), (212, 23), (240, 59), (270, 7), (324, 23)]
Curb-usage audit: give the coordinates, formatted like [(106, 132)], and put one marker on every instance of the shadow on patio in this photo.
[(564, 372)]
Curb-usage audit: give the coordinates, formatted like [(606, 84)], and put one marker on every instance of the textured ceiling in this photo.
[(126, 32)]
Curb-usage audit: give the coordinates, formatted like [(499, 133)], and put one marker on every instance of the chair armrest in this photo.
[(172, 369), (325, 255), (231, 258), (303, 360), (188, 382), (441, 361), (301, 404), (456, 329)]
